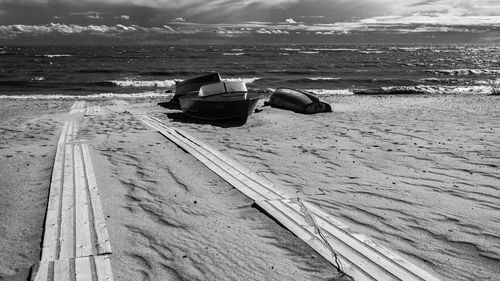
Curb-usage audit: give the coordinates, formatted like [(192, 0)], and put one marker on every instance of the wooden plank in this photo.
[(62, 270), (244, 180), (360, 260), (74, 132), (103, 244), (103, 268), (67, 218), (83, 241), (42, 273), (295, 222), (378, 253), (83, 271), (69, 135), (50, 237)]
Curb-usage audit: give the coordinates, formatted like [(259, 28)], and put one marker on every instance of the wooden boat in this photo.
[(194, 84), (219, 101), (298, 101)]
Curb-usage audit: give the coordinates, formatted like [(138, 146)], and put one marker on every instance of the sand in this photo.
[(418, 174), (28, 137)]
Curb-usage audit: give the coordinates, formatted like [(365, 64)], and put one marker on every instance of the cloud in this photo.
[(178, 19), (89, 15), (247, 18), (123, 17)]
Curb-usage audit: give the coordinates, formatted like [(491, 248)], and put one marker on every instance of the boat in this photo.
[(188, 86), (298, 101), (219, 101)]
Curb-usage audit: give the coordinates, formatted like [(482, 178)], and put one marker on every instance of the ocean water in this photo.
[(323, 69)]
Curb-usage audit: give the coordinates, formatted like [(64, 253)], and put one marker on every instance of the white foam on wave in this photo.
[(309, 52), (328, 92), (323, 78), (145, 83), (233, 54), (93, 96), (336, 49), (408, 49), (372, 52), (290, 49), (464, 71), (246, 80), (440, 90), (57, 56)]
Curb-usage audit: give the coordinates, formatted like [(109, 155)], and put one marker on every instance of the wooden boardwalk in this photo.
[(352, 253), (75, 243), (78, 107), (92, 110)]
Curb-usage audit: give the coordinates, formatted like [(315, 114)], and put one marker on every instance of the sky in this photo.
[(248, 21)]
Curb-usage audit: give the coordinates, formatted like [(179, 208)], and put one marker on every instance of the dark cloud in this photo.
[(218, 20)]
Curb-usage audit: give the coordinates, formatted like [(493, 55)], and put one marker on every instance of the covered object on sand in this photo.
[(298, 101)]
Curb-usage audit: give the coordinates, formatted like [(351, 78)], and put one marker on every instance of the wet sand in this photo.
[(418, 174)]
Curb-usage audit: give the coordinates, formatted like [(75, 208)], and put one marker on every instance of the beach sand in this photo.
[(28, 137), (418, 174)]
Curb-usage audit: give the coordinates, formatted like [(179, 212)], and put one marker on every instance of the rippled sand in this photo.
[(170, 218), (419, 174), (28, 138)]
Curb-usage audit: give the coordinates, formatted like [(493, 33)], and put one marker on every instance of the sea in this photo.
[(100, 71)]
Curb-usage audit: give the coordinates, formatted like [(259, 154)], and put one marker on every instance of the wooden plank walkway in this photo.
[(92, 110), (76, 245), (92, 268), (352, 253), (78, 107)]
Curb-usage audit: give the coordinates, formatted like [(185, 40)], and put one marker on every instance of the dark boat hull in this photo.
[(298, 101), (214, 110)]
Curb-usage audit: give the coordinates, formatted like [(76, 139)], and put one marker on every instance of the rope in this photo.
[(317, 230)]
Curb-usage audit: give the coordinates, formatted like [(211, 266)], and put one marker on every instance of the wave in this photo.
[(330, 92), (427, 90), (290, 49), (311, 80), (318, 92), (92, 96), (292, 72), (246, 80), (89, 71), (335, 49), (233, 54), (169, 83), (323, 78), (42, 82), (408, 49), (372, 52), (464, 71), (309, 52), (55, 55), (147, 83), (169, 73)]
